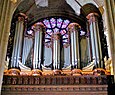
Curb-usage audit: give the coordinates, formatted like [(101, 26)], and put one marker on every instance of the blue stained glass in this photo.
[(30, 32), (55, 25), (66, 35), (47, 36), (53, 22), (47, 40), (46, 22), (59, 22), (56, 30), (65, 23), (62, 32), (49, 31), (82, 32), (65, 41)]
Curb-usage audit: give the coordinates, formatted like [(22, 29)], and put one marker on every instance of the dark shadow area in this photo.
[(111, 85)]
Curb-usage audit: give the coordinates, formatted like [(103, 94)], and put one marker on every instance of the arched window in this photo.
[(55, 25)]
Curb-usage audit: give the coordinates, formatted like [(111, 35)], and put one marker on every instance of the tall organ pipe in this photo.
[(16, 54), (38, 46), (74, 45), (56, 49), (95, 40)]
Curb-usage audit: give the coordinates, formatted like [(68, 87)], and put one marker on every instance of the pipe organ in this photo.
[(16, 54), (35, 46)]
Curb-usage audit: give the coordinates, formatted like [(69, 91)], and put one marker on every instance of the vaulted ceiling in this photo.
[(35, 9)]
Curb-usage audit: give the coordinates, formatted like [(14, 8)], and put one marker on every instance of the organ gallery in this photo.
[(53, 48)]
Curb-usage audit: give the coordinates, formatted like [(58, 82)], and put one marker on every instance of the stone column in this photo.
[(39, 30), (6, 12), (17, 46), (110, 18), (74, 45), (95, 40)]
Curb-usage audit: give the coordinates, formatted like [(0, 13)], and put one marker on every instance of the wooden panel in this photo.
[(56, 85)]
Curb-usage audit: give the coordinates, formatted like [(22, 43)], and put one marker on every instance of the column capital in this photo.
[(92, 17), (73, 26), (20, 18), (38, 27)]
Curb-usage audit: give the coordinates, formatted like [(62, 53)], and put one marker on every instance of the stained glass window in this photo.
[(56, 25)]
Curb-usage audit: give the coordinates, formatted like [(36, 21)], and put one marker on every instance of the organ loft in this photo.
[(57, 47)]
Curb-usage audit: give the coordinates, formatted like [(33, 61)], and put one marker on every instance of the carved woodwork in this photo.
[(55, 85)]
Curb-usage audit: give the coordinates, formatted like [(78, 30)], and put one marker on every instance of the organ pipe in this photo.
[(56, 49), (74, 45), (17, 43), (95, 40), (38, 46)]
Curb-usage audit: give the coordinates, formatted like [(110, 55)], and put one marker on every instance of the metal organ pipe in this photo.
[(38, 46), (56, 49), (74, 45), (17, 42), (27, 46), (95, 40)]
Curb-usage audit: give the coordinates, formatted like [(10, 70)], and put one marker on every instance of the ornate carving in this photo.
[(38, 27), (36, 72), (92, 17), (73, 26), (55, 80), (76, 72), (48, 85), (37, 80), (57, 72), (79, 90), (14, 72), (99, 71)]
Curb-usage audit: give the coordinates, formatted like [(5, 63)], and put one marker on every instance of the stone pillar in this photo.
[(110, 18), (39, 30), (74, 45), (6, 12), (17, 46), (95, 40)]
